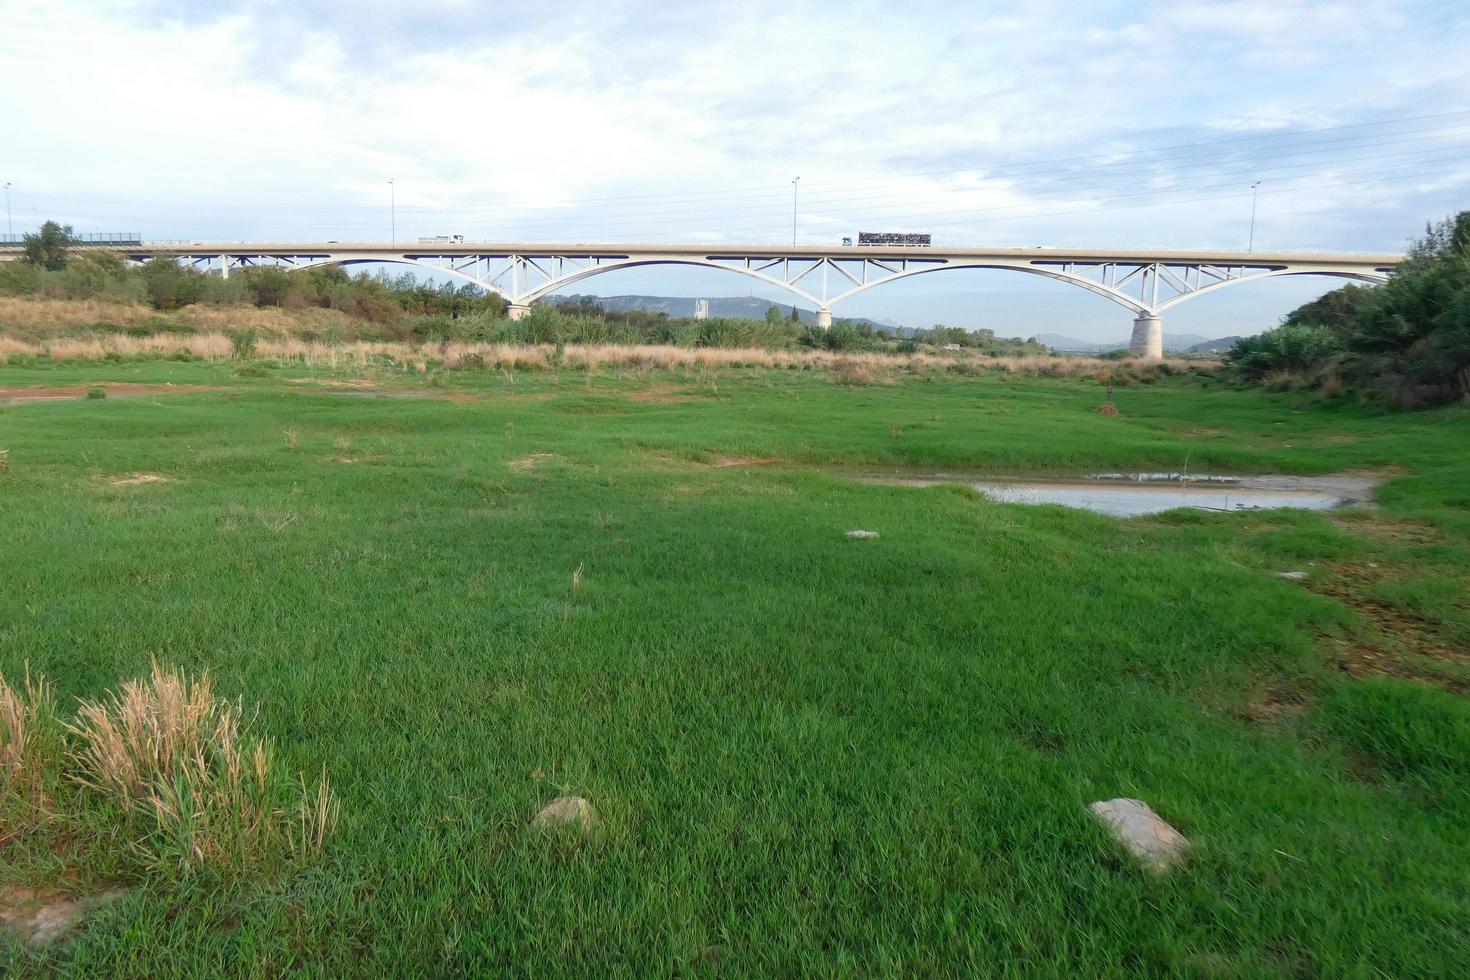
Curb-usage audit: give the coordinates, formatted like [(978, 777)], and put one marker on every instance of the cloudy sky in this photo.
[(1103, 124)]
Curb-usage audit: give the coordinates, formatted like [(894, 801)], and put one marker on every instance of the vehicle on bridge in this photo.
[(442, 240), (910, 238)]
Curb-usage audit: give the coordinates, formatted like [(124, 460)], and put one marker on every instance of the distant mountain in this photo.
[(749, 307), (1214, 346), (1178, 343)]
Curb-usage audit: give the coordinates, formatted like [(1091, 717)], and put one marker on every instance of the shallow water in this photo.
[(1130, 495)]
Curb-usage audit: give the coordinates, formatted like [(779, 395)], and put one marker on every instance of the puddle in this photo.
[(1131, 495)]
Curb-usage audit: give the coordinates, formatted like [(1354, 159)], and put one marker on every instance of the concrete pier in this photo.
[(1148, 338), (517, 311)]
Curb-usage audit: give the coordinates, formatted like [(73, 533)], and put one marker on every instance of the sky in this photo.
[(1107, 124)]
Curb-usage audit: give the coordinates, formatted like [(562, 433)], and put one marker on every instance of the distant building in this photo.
[(701, 309)]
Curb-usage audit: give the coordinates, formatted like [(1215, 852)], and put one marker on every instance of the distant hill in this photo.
[(1214, 346), (750, 307), (1178, 343)]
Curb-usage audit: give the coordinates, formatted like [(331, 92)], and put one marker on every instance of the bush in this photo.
[(243, 342), (1289, 349), (1406, 342)]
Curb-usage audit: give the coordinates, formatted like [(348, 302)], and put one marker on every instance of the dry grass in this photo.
[(24, 714), (851, 368), (41, 316), (178, 762)]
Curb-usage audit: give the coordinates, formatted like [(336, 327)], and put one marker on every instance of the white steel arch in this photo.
[(557, 284), (1370, 278), (1147, 282)]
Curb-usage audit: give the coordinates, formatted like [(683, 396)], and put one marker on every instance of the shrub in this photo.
[(243, 342), (1406, 342), (1289, 349)]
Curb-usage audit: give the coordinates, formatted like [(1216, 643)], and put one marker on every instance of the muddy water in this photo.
[(1129, 495)]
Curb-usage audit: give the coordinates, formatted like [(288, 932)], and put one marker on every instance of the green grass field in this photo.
[(811, 755)]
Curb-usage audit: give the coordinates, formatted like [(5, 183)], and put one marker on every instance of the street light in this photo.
[(793, 210), (392, 212), (1251, 244), (9, 229)]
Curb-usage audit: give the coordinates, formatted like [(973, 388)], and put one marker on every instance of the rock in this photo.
[(567, 811), (1292, 576), (40, 918), (1137, 827), (862, 534)]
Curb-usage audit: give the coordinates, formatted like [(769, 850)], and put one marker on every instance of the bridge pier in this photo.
[(1148, 338), (824, 319), (517, 311)]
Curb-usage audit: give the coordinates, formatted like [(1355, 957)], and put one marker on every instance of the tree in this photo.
[(795, 316), (47, 248), (1406, 341)]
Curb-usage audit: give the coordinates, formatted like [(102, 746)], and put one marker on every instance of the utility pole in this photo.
[(1251, 244), (392, 212), (793, 210), (9, 228)]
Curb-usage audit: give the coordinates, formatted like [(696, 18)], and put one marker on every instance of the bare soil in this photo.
[(56, 393), (41, 917)]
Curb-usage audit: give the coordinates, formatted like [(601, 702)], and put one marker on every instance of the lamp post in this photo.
[(9, 228), (793, 210), (1251, 244), (392, 212)]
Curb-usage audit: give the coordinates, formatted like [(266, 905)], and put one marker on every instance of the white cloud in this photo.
[(984, 122)]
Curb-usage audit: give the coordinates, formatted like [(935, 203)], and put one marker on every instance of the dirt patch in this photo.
[(1397, 532), (1278, 704), (334, 382), (661, 395), (720, 462), (1401, 634), (139, 478), (61, 393), (40, 917), (376, 393), (530, 461)]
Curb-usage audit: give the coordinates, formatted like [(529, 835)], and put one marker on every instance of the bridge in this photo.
[(1145, 282)]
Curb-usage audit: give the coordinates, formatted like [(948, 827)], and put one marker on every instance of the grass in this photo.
[(809, 755)]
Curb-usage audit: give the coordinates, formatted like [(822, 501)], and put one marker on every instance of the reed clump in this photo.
[(27, 732), (164, 764), (178, 762)]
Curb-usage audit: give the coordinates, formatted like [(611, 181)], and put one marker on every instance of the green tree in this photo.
[(48, 247)]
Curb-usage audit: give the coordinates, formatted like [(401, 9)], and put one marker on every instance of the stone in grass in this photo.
[(1137, 827), (862, 534), (1292, 576), (567, 811), (40, 918)]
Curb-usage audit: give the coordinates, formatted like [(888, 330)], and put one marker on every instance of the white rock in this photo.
[(1137, 827), (567, 811), (862, 534), (1292, 576)]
